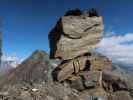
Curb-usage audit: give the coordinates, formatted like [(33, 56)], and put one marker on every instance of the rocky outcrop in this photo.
[(79, 73), (72, 40), (75, 35)]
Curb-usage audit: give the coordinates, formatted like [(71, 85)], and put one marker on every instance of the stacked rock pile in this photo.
[(73, 40)]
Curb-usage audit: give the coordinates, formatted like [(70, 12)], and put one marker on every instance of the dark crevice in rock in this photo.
[(83, 80), (87, 54), (78, 65), (95, 25), (95, 98), (115, 87), (66, 35), (64, 61), (74, 67), (55, 73), (87, 65)]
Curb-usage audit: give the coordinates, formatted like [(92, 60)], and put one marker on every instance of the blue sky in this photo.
[(28, 22)]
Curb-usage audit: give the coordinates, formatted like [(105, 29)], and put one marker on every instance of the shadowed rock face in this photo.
[(75, 35)]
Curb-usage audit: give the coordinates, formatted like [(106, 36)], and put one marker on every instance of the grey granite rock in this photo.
[(75, 35)]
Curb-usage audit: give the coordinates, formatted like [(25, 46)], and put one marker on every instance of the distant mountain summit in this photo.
[(33, 69), (38, 55)]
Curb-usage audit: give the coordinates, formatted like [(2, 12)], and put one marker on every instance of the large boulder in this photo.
[(75, 35)]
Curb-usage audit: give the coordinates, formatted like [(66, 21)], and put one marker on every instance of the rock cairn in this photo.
[(73, 40)]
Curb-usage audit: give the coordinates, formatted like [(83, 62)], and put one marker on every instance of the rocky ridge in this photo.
[(75, 70)]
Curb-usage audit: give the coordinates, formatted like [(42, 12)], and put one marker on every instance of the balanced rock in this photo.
[(75, 35)]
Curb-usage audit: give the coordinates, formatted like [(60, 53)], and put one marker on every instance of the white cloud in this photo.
[(9, 62), (118, 48), (12, 60)]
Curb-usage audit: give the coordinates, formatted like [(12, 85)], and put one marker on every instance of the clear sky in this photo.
[(28, 22)]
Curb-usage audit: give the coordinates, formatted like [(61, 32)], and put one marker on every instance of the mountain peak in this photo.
[(39, 55)]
